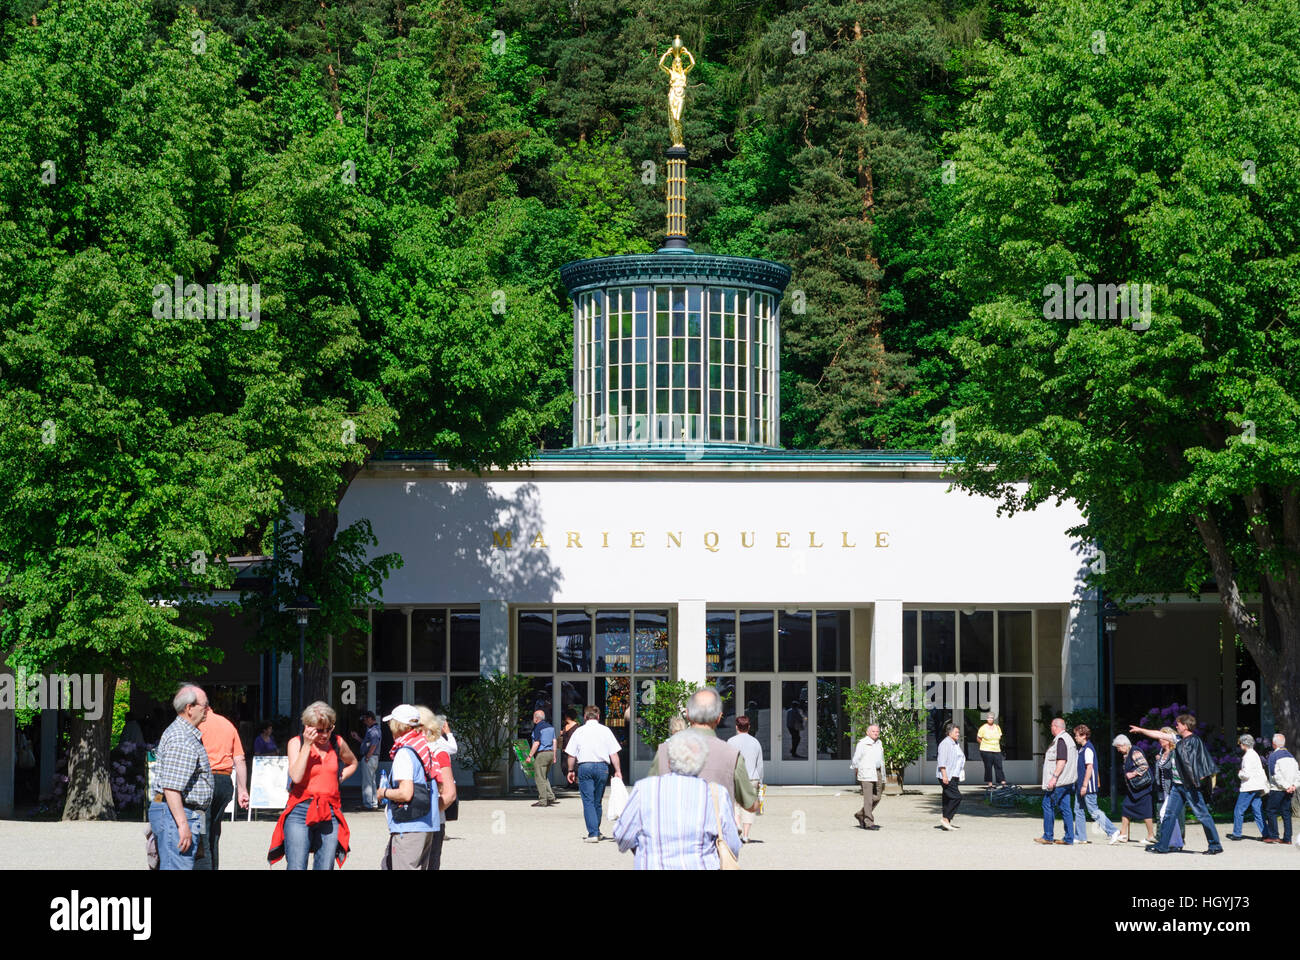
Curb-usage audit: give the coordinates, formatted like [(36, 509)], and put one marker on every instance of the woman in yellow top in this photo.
[(990, 736)]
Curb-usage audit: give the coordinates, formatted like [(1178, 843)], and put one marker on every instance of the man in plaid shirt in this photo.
[(182, 782)]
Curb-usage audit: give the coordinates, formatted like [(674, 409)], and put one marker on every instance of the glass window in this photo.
[(651, 641), (726, 687), (464, 640), (977, 642), (720, 641), (909, 641), (614, 697), (350, 651), (1015, 641), (1015, 710), (644, 686), (832, 719), (348, 710), (427, 693), (388, 694), (938, 641), (613, 641), (795, 637), (536, 697), (535, 642), (833, 641), (756, 641), (572, 642), (389, 628), (429, 640)]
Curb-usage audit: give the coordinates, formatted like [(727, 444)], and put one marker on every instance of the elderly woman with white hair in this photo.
[(1138, 782), (678, 821)]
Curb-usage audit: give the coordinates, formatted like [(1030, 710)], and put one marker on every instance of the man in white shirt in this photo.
[(751, 751), (590, 751), (950, 768), (869, 763)]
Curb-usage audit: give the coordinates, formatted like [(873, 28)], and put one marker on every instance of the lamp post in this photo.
[(1110, 614), (302, 607)]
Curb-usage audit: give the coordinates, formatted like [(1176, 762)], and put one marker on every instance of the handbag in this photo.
[(726, 859), (418, 807), (617, 798), (452, 812)]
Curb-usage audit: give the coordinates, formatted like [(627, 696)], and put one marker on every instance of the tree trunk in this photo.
[(319, 531), (90, 794)]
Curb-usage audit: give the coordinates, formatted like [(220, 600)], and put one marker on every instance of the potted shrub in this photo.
[(902, 726), (484, 718)]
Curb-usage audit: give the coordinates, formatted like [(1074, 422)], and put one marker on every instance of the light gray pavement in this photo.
[(803, 828)]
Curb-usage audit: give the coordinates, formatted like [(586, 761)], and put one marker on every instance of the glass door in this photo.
[(796, 730)]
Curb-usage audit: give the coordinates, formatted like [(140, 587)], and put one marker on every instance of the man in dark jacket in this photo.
[(1192, 765)]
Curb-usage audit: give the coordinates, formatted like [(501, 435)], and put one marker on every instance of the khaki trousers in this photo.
[(541, 776), (872, 791)]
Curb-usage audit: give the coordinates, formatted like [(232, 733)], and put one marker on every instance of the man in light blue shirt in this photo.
[(950, 769), (673, 822)]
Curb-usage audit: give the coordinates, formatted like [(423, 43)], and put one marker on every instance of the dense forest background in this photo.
[(816, 137)]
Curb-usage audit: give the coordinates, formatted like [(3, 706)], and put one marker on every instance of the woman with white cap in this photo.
[(406, 791)]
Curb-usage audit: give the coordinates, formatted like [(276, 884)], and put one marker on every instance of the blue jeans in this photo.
[(593, 778), (1254, 799), (1176, 832), (167, 835), (1279, 805), (1058, 799), (300, 839), (1089, 802), (1179, 799)]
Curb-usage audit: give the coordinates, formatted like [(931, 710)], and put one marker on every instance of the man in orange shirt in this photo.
[(225, 753)]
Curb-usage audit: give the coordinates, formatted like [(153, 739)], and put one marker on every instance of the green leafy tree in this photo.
[(902, 727), (486, 714), (837, 96), (127, 467), (1155, 144)]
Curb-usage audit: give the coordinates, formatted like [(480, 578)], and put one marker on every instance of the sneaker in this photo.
[(1116, 837), (1083, 841), (1149, 840), (1237, 836), (591, 839), (1210, 853), (539, 803), (945, 826)]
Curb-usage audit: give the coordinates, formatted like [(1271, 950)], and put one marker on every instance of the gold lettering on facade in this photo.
[(711, 545), (783, 538), (604, 538), (638, 538), (674, 539), (573, 539), (539, 540), (844, 539), (882, 538), (812, 539), (507, 543), (746, 543)]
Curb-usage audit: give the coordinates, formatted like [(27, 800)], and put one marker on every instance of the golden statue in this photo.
[(676, 86)]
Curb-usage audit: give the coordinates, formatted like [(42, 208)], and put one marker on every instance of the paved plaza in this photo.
[(804, 828)]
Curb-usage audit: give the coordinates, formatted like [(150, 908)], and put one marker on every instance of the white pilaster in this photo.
[(1080, 666), (494, 636), (692, 659), (887, 642)]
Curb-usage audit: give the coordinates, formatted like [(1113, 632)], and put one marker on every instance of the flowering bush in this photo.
[(127, 774), (1226, 756)]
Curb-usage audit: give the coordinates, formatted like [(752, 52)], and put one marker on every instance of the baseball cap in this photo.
[(404, 713)]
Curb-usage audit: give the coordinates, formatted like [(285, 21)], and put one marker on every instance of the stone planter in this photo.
[(893, 785), (489, 784)]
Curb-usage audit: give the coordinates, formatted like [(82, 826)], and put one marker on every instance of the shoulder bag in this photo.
[(421, 802), (726, 859)]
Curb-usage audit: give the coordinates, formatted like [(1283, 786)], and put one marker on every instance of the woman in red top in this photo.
[(312, 821)]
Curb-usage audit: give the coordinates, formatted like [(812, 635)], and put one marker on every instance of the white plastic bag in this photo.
[(617, 798)]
